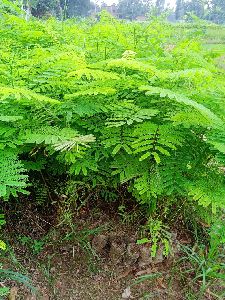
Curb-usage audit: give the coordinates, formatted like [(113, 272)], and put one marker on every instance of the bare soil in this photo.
[(68, 267)]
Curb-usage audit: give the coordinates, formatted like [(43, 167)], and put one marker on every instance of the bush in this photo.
[(111, 103)]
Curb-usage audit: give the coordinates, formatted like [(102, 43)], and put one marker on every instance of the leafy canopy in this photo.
[(112, 102)]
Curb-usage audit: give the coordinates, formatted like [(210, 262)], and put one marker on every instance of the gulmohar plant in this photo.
[(109, 103)]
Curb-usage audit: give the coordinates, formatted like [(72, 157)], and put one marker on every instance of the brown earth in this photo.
[(90, 255)]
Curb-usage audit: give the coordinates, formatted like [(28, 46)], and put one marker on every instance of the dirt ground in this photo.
[(85, 256)]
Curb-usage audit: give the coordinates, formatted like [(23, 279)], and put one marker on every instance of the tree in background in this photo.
[(58, 8), (77, 8), (131, 9), (196, 7), (213, 10), (216, 11), (179, 11), (160, 6), (41, 8)]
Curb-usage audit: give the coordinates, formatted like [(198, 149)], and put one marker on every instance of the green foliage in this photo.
[(207, 269), (12, 175), (96, 115), (4, 291), (6, 274), (2, 222), (36, 246), (111, 102), (157, 234)]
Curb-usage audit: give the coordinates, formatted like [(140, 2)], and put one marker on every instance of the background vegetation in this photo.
[(211, 10)]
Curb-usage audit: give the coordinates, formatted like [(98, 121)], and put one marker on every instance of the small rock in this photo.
[(127, 293), (99, 243), (43, 297), (31, 297), (145, 258), (13, 293)]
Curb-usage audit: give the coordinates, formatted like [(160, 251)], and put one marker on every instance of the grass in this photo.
[(215, 34), (215, 39)]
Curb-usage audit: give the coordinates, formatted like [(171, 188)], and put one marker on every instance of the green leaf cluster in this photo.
[(112, 102)]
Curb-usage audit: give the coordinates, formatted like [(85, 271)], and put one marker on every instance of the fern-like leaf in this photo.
[(12, 177), (181, 98), (156, 140), (24, 96)]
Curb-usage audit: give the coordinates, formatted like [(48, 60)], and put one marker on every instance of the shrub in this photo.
[(112, 103)]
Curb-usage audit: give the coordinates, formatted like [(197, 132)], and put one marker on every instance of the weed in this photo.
[(6, 274), (81, 237), (128, 217), (204, 271), (36, 246), (46, 269), (157, 233), (4, 291)]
